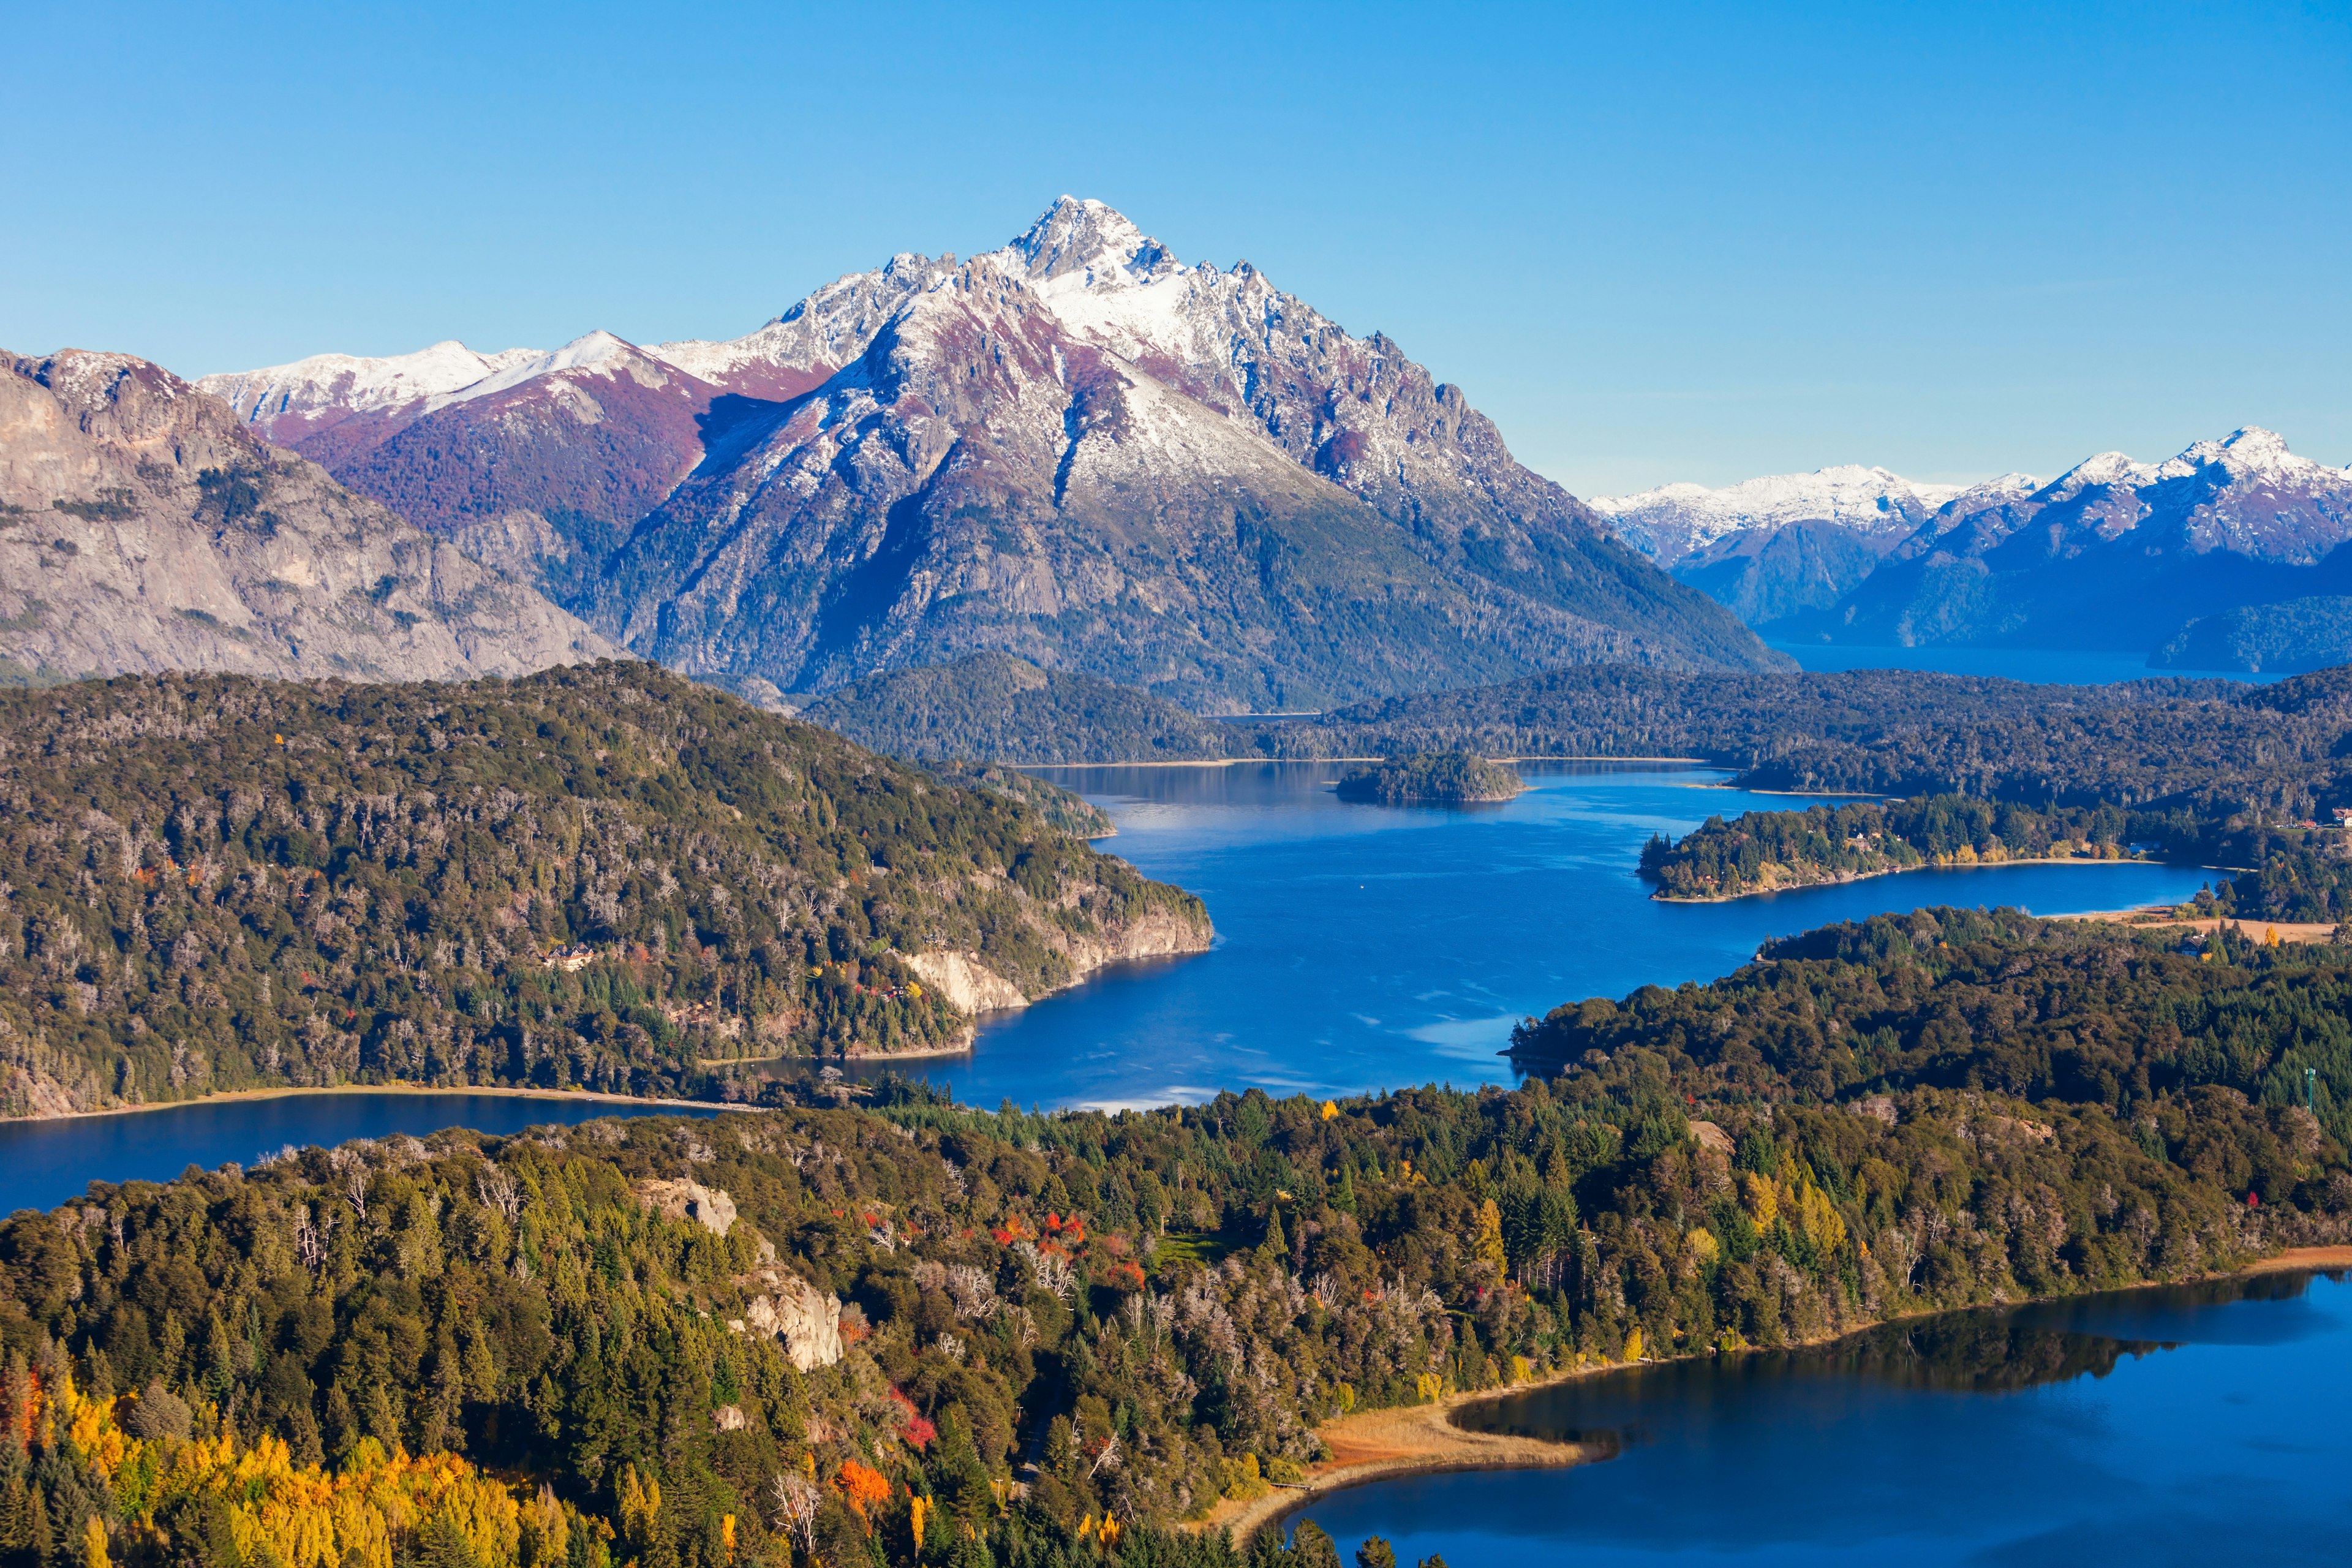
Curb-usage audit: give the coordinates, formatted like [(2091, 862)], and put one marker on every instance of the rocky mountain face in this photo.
[(143, 526), (539, 463), (1074, 448), (2114, 554)]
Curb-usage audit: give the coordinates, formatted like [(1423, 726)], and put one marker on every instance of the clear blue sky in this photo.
[(1654, 242)]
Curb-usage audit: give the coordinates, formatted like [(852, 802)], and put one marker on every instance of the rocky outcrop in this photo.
[(687, 1200), (143, 528), (788, 1308), (963, 980)]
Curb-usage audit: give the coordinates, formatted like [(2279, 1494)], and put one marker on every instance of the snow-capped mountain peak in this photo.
[(2252, 453), (590, 350), (1091, 239)]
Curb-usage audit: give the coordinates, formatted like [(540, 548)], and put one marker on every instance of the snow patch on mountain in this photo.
[(598, 351), (354, 384)]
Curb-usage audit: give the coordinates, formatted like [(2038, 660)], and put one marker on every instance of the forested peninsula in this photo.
[(604, 878), (1770, 851), (916, 1331)]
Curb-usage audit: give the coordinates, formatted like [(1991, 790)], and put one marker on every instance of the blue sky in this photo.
[(1652, 242)]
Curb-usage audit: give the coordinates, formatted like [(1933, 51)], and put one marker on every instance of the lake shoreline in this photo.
[(1851, 877), (290, 1091), (1400, 1441), (1321, 761)]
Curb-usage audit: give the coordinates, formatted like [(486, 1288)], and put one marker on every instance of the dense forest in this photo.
[(913, 1328), (1762, 850), (1437, 777), (604, 877)]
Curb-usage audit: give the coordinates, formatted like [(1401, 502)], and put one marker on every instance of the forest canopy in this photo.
[(915, 1329)]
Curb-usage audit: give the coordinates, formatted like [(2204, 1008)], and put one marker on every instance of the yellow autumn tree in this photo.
[(640, 1499), (1633, 1344), (1759, 1198), (1819, 1218), (1489, 1247), (305, 1517)]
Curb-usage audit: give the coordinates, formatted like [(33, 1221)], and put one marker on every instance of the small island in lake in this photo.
[(1448, 778)]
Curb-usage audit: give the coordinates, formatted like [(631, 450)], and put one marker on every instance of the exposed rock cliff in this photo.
[(806, 1320), (143, 528)]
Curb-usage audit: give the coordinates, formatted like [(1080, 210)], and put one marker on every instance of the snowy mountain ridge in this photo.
[(1073, 447), (1676, 521)]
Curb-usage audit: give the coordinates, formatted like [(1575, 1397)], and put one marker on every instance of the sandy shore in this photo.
[(1421, 1439), (1405, 1440)]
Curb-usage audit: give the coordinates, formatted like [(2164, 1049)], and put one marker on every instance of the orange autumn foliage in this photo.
[(862, 1488)]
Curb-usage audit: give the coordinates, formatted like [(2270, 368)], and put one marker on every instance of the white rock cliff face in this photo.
[(806, 1320), (786, 1306), (688, 1200), (967, 983)]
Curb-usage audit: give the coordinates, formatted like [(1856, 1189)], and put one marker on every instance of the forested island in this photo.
[(912, 1331), (604, 878), (1433, 778)]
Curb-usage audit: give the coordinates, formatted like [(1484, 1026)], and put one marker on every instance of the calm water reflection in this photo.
[(2198, 1425)]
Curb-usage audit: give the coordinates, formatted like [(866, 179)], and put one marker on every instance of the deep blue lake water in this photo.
[(2199, 1424), (1364, 947), (1359, 947), (43, 1164)]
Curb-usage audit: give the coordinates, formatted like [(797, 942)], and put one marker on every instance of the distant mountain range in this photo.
[(1074, 448), (2226, 556), (144, 528)]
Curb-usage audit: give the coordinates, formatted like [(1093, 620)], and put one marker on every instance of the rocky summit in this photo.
[(1076, 448)]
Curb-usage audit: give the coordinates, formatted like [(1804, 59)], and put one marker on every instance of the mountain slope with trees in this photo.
[(863, 1335)]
